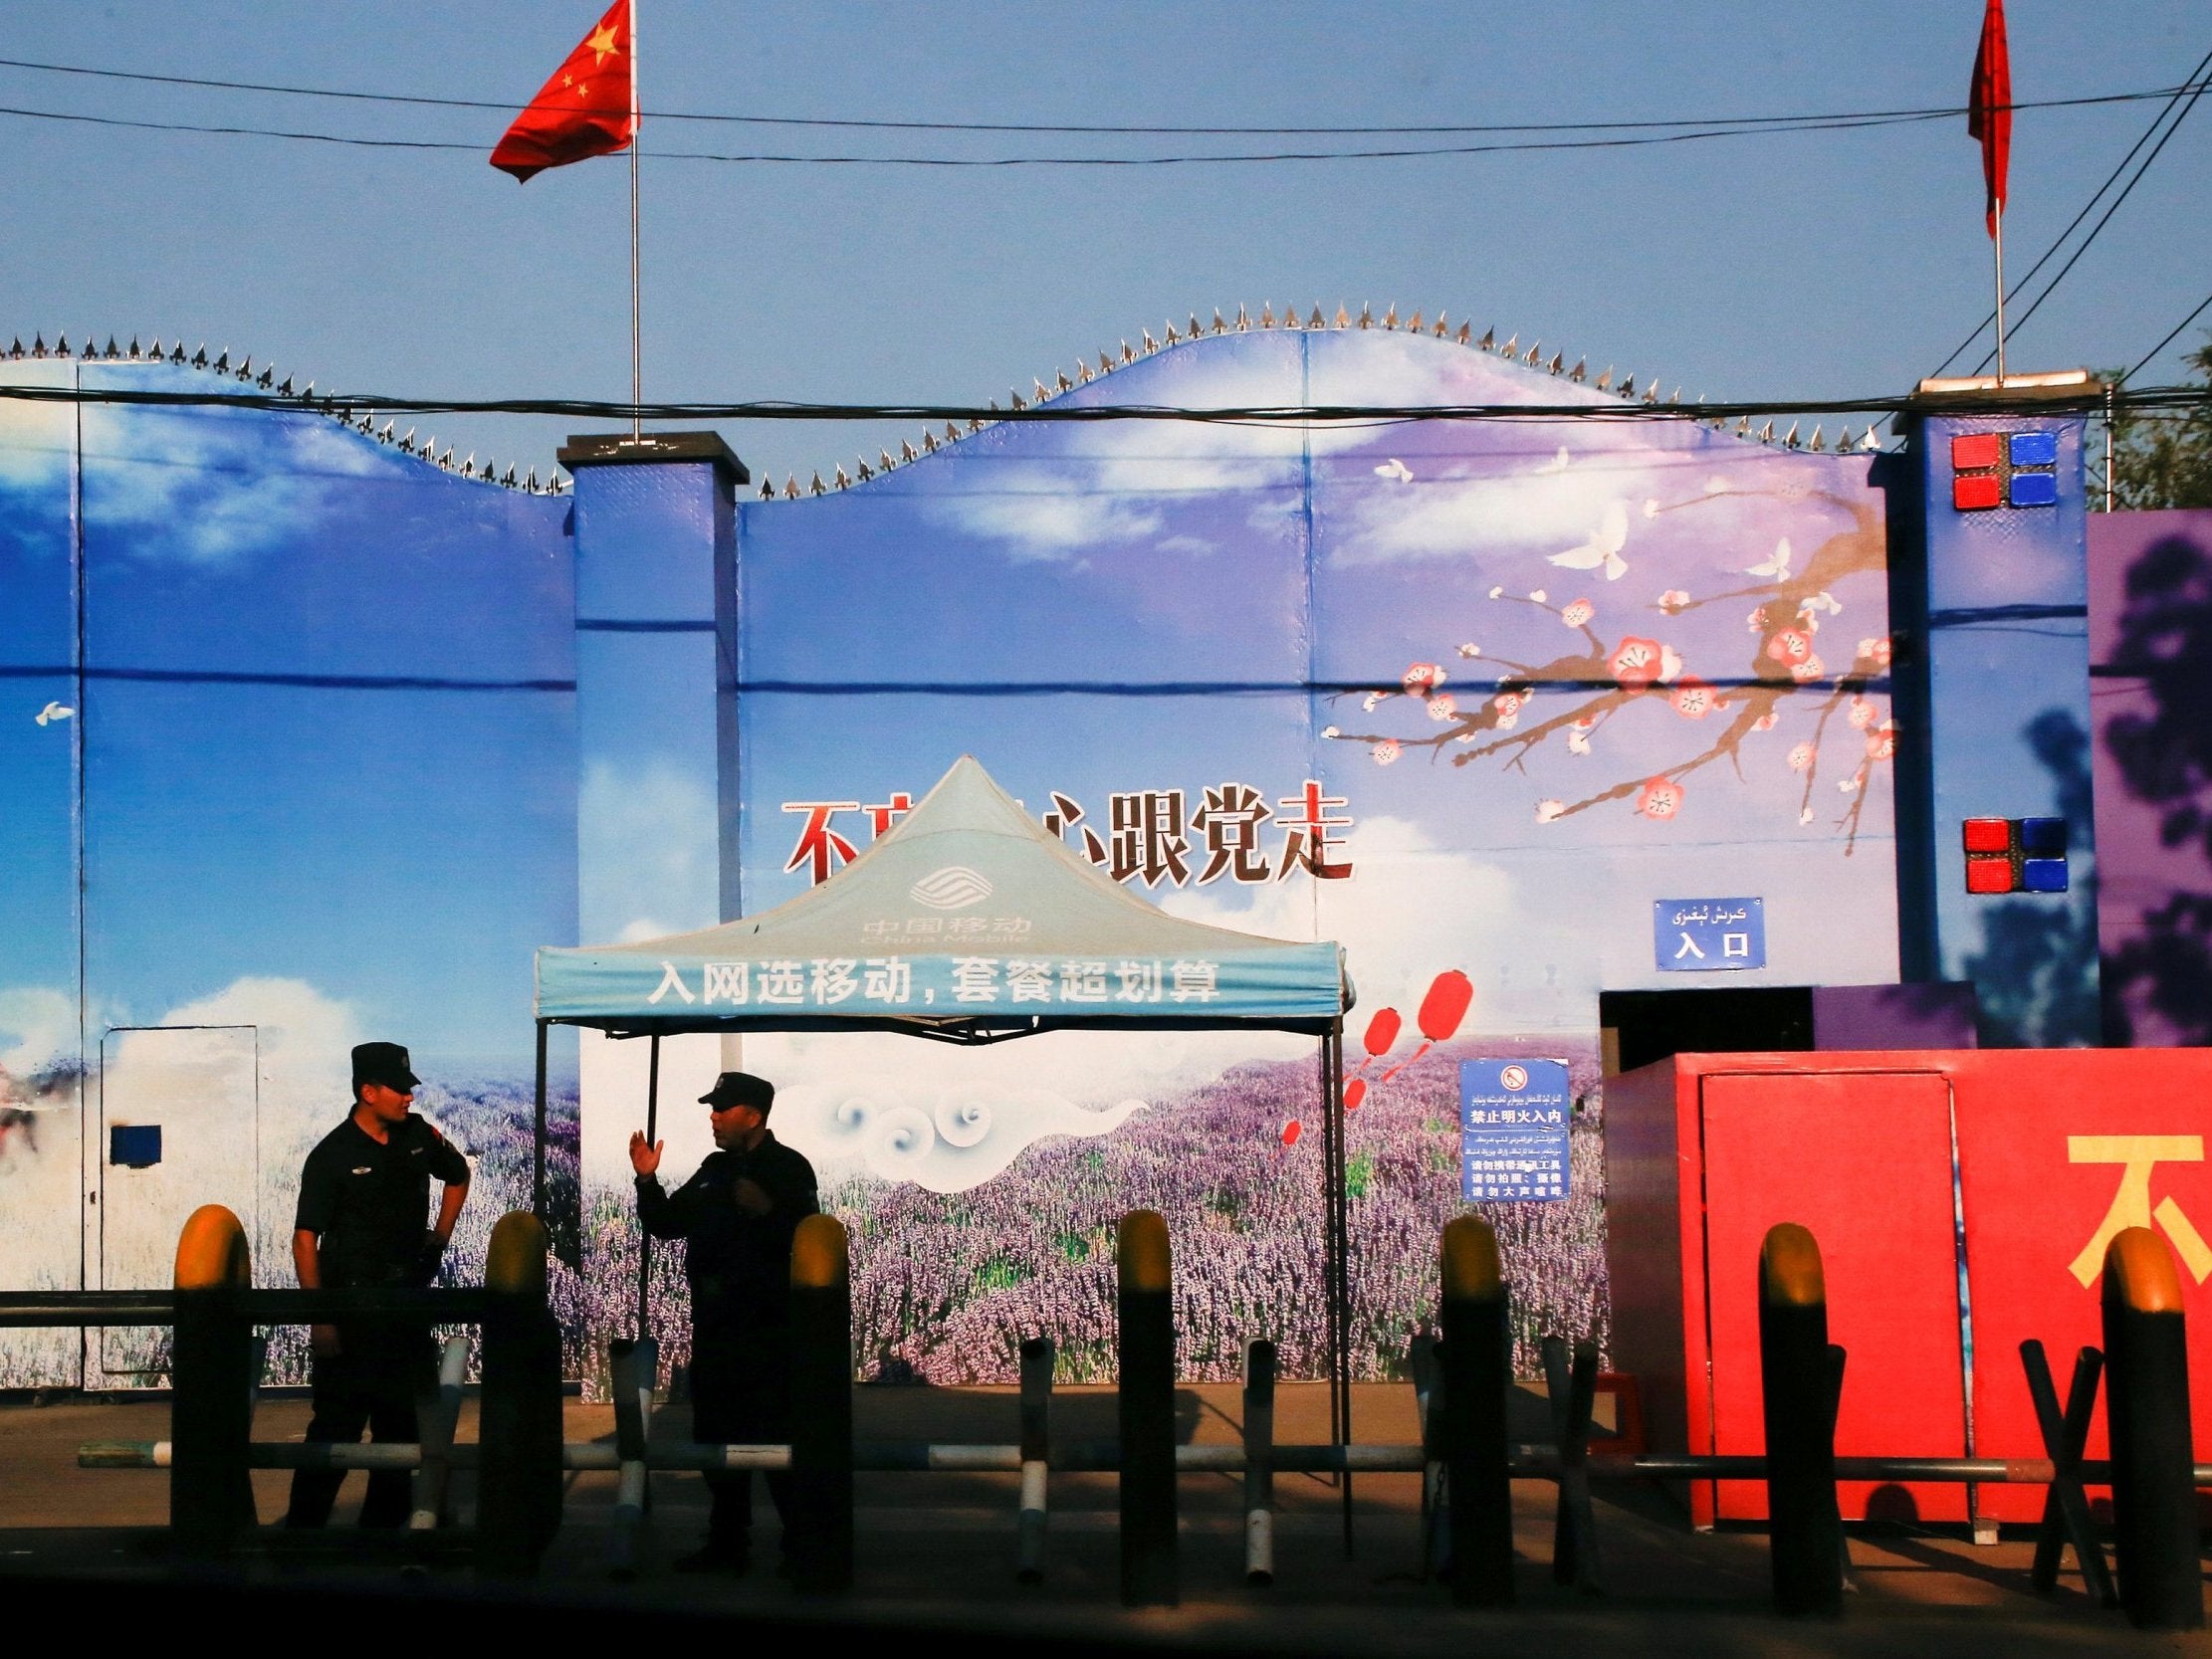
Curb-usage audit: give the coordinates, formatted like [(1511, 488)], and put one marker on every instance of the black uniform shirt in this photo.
[(739, 1265), (369, 1202)]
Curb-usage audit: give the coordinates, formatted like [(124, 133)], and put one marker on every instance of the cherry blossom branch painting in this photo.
[(1612, 667)]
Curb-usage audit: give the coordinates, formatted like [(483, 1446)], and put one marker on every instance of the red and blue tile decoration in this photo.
[(2015, 855), (1992, 470)]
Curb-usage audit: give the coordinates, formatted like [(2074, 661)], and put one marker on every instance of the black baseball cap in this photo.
[(740, 1089), (384, 1063)]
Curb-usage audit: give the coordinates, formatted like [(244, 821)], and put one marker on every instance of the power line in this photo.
[(2174, 335), (2149, 399), (2051, 286), (1750, 122), (1274, 157), (2088, 207)]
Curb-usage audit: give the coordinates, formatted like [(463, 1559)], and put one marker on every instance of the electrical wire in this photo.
[(2171, 336), (2019, 287), (1002, 162), (2051, 286), (1781, 122), (2149, 399)]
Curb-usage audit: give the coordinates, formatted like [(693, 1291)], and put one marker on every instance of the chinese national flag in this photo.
[(1989, 107), (587, 108)]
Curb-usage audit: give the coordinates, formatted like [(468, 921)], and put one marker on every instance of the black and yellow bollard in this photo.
[(211, 1497), (1799, 1374), (519, 1481), (1476, 1361), (2146, 1402), (820, 1548), (1150, 1575)]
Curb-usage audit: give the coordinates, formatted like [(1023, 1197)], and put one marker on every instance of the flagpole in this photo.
[(1996, 231), (637, 362)]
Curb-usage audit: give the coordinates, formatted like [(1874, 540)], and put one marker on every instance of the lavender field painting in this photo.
[(945, 1286)]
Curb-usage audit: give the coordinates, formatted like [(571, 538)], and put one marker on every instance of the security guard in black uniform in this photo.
[(363, 1197), (738, 1215)]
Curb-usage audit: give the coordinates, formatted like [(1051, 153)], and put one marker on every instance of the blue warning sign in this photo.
[(1513, 1131)]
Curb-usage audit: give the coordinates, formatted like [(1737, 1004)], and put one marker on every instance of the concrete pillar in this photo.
[(1990, 605), (656, 628)]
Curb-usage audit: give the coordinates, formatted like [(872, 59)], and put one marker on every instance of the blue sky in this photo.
[(1842, 263)]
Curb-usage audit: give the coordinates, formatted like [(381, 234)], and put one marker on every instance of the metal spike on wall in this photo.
[(1220, 326), (1192, 332), (1061, 382), (1316, 320), (384, 436), (906, 450), (1466, 333), (1535, 355), (817, 487), (1105, 363), (1170, 337), (1414, 325), (176, 355), (133, 347), (1015, 399), (1871, 441), (1814, 443), (1558, 361), (1766, 432), (1675, 396), (884, 463), (114, 352), (768, 489), (1389, 318), (1149, 345), (531, 483), (246, 367), (221, 365), (1488, 341), (1651, 392), (285, 391), (1244, 324), (1082, 372), (1628, 387), (790, 485), (468, 467), (1266, 313), (61, 346), (928, 441), (974, 425), (1127, 355), (1511, 346), (1291, 316), (268, 378), (861, 472), (952, 432), (446, 460), (1367, 321), (1040, 390), (1343, 317), (407, 444), (1581, 372), (507, 481)]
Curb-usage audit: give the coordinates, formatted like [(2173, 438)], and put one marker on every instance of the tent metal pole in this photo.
[(537, 1136), (644, 1239), (1341, 1312)]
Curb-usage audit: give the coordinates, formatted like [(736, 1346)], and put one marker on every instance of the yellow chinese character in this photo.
[(2138, 1154)]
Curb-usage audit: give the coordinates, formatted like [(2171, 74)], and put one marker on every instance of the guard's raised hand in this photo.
[(645, 1156)]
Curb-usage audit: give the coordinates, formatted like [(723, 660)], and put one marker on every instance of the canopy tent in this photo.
[(968, 922), (965, 921)]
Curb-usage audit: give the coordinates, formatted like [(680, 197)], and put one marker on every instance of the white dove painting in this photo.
[(53, 712), (1394, 468), (1602, 547), (1778, 567)]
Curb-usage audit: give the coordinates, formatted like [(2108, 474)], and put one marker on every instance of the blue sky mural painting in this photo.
[(325, 724)]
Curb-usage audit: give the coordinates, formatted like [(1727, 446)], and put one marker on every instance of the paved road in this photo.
[(936, 1551)]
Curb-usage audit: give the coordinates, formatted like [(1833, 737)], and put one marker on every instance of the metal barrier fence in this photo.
[(1464, 1457)]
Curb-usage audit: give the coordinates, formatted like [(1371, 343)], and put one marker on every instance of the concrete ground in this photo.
[(936, 1551)]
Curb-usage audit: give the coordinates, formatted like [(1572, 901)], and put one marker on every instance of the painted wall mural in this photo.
[(332, 740)]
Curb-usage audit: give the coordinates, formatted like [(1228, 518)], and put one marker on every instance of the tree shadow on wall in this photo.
[(2165, 757), (2036, 972)]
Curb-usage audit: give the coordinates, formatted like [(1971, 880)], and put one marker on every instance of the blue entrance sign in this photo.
[(1513, 1129), (1709, 935)]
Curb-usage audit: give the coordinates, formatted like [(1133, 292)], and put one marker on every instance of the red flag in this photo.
[(1989, 107), (588, 106)]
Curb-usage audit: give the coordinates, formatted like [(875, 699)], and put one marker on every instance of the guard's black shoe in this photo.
[(716, 1557)]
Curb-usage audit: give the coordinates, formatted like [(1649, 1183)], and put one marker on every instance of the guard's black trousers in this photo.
[(373, 1382), (741, 1395)]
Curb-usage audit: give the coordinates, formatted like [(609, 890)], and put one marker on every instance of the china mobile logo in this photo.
[(953, 888), (2138, 1155), (1153, 836)]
